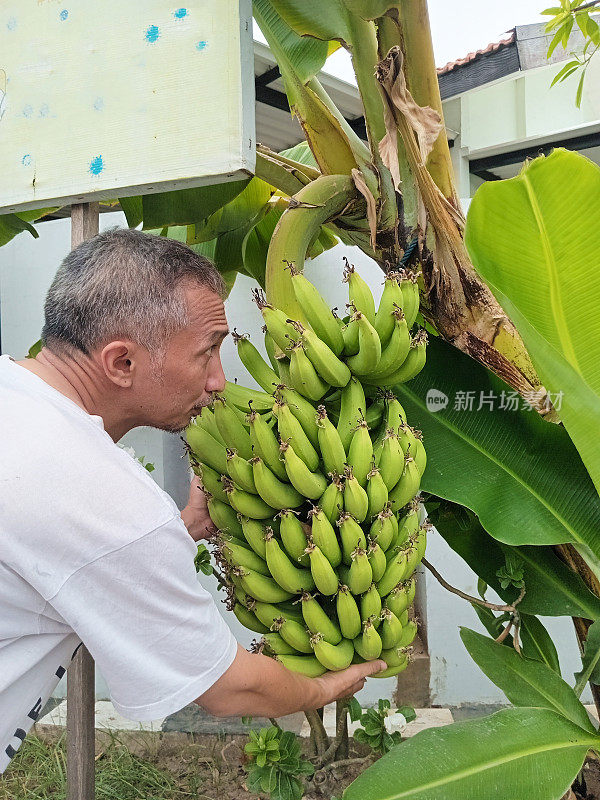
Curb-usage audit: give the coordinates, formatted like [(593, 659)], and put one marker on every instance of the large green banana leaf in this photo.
[(535, 241), (188, 206), (524, 681), (519, 474), (517, 753), (13, 224), (552, 589), (328, 19)]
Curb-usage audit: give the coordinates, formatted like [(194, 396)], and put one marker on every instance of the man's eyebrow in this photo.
[(219, 335)]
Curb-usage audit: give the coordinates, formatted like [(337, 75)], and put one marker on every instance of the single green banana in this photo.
[(374, 414), (397, 600), (265, 444), (359, 294), (333, 657), (377, 560), (410, 293), (395, 351), (411, 587), (249, 505), (291, 430), (277, 645), (382, 529), (206, 449), (263, 588), (350, 335), (291, 578), (360, 452), (419, 454), (370, 605), (347, 613), (310, 484), (323, 573), (351, 410), (391, 629), (391, 299), (403, 618), (421, 541), (248, 619), (303, 376), (391, 462), (302, 409), (309, 666), (410, 367), (272, 349), (408, 440), (330, 443), (317, 312), (332, 499), (368, 645), (377, 493), (360, 574), (273, 491), (323, 535), (240, 471), (409, 632), (293, 537), (317, 620), (394, 654), (294, 633), (243, 398), (206, 420), (210, 480), (224, 517), (408, 526), (408, 485), (328, 366), (356, 501), (395, 572), (254, 533), (262, 373), (244, 557), (267, 613), (351, 536), (369, 348), (395, 416), (231, 429), (276, 321)]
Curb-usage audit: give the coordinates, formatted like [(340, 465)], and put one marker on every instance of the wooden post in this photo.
[(80, 675)]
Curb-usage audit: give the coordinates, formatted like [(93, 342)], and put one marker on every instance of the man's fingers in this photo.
[(357, 671)]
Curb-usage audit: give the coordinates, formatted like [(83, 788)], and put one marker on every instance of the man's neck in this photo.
[(77, 379)]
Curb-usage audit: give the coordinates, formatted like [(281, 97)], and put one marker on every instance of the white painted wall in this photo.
[(26, 270)]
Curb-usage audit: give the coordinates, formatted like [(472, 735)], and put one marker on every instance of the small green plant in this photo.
[(147, 465), (376, 726), (202, 560), (276, 764)]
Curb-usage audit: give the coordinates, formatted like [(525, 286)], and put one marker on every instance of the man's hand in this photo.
[(195, 515), (337, 685), (255, 685)]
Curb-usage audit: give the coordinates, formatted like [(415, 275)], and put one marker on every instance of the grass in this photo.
[(39, 771)]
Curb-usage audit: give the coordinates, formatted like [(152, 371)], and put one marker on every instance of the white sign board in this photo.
[(108, 98)]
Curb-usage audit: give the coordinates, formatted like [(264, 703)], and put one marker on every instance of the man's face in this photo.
[(190, 368)]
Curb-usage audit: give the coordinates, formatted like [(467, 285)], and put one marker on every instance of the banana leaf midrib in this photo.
[(558, 315)]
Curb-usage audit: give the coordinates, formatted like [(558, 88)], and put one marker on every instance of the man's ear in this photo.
[(119, 361)]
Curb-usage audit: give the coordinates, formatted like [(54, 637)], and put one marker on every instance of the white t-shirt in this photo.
[(92, 550)]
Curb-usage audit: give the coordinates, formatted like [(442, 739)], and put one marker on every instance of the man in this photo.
[(91, 549)]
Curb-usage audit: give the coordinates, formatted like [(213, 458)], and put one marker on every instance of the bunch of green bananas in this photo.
[(313, 482)]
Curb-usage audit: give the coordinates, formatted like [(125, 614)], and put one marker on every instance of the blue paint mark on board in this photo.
[(63, 15), (99, 104), (26, 160), (202, 45), (27, 111), (44, 110), (152, 34), (11, 24), (96, 165), (180, 13)]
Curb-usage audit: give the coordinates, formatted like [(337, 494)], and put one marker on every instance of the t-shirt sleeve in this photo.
[(153, 630)]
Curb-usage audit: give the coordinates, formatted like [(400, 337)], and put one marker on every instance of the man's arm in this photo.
[(255, 685)]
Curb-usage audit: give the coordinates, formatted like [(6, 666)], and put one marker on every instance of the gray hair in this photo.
[(123, 283)]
